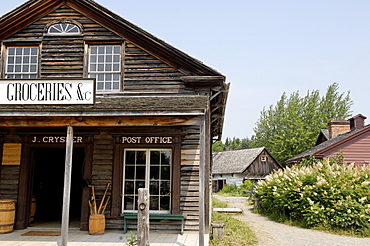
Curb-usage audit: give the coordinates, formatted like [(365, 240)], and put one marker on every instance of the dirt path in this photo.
[(270, 233)]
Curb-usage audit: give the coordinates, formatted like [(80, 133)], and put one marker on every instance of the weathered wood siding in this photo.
[(102, 169), (190, 159), (145, 73), (9, 182), (9, 178), (356, 151), (63, 56), (262, 168)]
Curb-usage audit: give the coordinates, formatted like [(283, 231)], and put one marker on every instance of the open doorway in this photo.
[(48, 184)]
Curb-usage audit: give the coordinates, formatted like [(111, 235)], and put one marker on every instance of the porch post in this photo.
[(67, 185), (201, 183)]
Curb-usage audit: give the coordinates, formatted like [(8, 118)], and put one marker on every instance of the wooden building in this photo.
[(143, 114), (349, 137), (232, 167)]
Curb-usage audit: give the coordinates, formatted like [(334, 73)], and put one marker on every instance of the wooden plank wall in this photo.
[(63, 56), (355, 151), (9, 182), (9, 179), (262, 168), (190, 158), (146, 74), (102, 168)]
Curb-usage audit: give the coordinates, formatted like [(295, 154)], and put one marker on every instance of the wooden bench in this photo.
[(127, 216)]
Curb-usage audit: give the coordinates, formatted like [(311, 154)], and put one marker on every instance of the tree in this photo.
[(233, 144), (218, 146), (291, 126)]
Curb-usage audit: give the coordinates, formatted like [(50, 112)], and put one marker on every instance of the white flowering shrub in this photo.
[(324, 194)]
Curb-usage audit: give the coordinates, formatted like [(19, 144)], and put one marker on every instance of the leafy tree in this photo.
[(218, 146), (235, 143), (291, 126)]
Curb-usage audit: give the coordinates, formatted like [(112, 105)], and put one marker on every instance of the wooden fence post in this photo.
[(67, 186), (218, 231), (143, 217)]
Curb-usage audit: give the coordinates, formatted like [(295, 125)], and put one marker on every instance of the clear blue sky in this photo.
[(263, 47)]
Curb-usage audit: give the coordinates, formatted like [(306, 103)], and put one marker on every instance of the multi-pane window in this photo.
[(21, 62), (147, 168), (64, 29), (105, 66)]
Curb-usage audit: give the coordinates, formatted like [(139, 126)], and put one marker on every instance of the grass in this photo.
[(236, 232)]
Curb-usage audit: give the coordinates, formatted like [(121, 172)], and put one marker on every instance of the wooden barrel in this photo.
[(33, 209), (7, 215), (96, 224)]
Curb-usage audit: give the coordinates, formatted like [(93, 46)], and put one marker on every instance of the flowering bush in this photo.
[(324, 194)]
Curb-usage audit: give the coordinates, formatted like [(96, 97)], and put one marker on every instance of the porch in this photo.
[(82, 238)]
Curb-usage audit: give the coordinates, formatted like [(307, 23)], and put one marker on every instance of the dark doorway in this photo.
[(48, 183)]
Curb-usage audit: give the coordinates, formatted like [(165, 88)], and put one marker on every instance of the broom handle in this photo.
[(102, 200), (105, 205), (94, 200)]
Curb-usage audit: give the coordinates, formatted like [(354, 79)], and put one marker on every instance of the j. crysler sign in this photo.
[(47, 91)]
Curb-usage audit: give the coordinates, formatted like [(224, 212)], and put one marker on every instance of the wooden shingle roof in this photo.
[(234, 161)]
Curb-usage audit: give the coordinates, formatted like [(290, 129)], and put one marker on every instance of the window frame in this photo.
[(63, 33), (148, 180), (120, 66), (30, 74)]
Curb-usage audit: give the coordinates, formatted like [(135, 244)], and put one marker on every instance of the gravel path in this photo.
[(270, 233)]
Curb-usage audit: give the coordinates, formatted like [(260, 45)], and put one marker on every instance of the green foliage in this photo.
[(218, 146), (131, 239), (236, 232), (247, 185), (323, 195), (232, 190), (291, 126), (338, 158), (233, 144)]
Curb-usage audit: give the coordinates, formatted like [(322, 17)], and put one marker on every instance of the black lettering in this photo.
[(25, 92), (9, 95), (18, 91), (33, 97), (79, 93), (47, 91), (40, 88), (68, 92)]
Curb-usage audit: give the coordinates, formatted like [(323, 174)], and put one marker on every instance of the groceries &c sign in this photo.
[(61, 91)]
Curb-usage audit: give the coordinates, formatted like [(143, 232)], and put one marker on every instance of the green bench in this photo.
[(128, 216)]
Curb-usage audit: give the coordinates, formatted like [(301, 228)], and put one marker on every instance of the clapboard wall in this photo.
[(66, 56)]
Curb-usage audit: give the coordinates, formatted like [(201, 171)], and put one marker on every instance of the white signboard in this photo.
[(47, 91)]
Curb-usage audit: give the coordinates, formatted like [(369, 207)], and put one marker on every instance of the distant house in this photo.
[(349, 137), (234, 166)]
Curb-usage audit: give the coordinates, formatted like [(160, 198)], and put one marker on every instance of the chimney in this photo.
[(338, 127), (357, 122)]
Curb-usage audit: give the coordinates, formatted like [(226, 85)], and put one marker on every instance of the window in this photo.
[(147, 168), (263, 158), (105, 66), (22, 62), (64, 29)]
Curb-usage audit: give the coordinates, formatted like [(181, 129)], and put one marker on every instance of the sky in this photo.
[(263, 47)]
